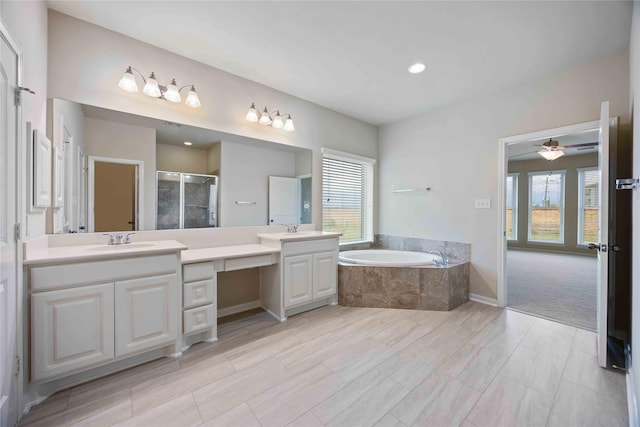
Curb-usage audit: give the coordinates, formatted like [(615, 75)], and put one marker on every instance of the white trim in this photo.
[(239, 308), (502, 174), (581, 188), (91, 182), (632, 399), (515, 182), (342, 155), (484, 300)]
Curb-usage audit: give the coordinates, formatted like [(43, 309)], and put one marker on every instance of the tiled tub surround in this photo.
[(427, 288)]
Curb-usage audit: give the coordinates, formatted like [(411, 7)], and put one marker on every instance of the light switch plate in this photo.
[(483, 203)]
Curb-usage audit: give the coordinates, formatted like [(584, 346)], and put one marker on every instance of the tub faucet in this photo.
[(445, 259)]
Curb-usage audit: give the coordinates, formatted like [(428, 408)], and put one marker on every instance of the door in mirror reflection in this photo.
[(284, 200), (115, 196)]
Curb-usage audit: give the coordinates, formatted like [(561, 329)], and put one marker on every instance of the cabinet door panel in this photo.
[(298, 279), (325, 274), (146, 313), (71, 329)]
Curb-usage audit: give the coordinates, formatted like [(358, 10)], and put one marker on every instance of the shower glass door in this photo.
[(200, 195), (168, 199)]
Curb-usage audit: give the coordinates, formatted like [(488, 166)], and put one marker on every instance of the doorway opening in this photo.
[(115, 189)]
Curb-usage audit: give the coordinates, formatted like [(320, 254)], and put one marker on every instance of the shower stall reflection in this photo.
[(186, 200)]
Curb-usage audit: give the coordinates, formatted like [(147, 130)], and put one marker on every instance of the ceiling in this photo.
[(352, 57), (528, 150)]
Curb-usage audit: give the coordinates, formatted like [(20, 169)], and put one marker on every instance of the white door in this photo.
[(71, 329), (9, 125), (146, 313), (325, 274), (603, 234), (284, 196), (298, 280)]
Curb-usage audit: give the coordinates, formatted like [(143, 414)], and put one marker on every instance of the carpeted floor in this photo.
[(557, 286)]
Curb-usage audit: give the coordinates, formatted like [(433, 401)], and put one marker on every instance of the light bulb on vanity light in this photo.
[(252, 114), (192, 98), (128, 81), (151, 87), (172, 94), (265, 120), (288, 124), (277, 121)]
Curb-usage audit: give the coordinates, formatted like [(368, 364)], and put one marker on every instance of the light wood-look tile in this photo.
[(255, 352), (359, 358), (155, 392), (306, 420), (550, 340), (53, 404), (179, 412), (388, 421), (439, 400), (586, 341), (290, 399), (583, 369), (534, 370), (232, 390), (579, 406), (474, 365), (507, 403), (241, 415), (409, 369)]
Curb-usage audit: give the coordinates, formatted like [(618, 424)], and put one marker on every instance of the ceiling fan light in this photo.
[(277, 121), (193, 100), (288, 124), (151, 88), (551, 154), (252, 114), (172, 94), (128, 81), (265, 120)]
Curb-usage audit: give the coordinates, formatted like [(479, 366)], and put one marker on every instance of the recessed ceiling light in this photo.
[(188, 143), (417, 68)]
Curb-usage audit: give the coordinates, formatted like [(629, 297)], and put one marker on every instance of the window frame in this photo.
[(580, 235), (368, 213), (563, 173), (514, 214)]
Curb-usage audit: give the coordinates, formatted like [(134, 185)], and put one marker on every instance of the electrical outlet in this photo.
[(483, 203)]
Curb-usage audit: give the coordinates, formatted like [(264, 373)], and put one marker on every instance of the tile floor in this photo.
[(338, 366)]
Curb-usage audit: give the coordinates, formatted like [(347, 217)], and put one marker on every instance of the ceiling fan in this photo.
[(552, 150)]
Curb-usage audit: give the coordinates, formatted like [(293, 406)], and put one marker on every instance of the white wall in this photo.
[(86, 63), (123, 141), (213, 158), (635, 95), (244, 176), (454, 150), (181, 159), (27, 23)]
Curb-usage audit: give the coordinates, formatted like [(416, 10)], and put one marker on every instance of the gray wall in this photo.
[(570, 164)]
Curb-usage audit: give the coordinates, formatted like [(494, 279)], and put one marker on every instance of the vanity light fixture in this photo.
[(188, 143), (264, 118), (151, 88)]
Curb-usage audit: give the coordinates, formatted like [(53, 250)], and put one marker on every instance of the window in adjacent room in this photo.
[(546, 206), (588, 205), (347, 195), (512, 206)]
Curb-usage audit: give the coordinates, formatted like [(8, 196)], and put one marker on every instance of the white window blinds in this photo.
[(347, 196)]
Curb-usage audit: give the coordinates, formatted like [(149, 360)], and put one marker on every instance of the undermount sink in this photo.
[(123, 246)]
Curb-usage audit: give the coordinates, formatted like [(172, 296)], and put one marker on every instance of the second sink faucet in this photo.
[(119, 238)]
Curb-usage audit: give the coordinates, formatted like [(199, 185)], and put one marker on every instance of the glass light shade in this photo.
[(128, 81), (151, 88), (288, 124), (252, 114), (192, 98), (172, 94), (265, 120), (417, 68), (277, 121), (551, 154)]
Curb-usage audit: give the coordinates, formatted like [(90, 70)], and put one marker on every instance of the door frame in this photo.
[(502, 176), (21, 220), (139, 189)]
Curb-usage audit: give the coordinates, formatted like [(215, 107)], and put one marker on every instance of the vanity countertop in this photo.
[(225, 252), (299, 236), (68, 254)]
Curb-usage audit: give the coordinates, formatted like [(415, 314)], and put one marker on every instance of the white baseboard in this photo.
[(483, 300), (238, 308), (632, 402)]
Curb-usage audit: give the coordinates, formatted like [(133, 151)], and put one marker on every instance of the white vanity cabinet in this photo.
[(199, 299), (309, 277), (87, 314)]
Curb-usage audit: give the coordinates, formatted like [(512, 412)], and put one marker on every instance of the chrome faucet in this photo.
[(292, 228), (443, 257), (119, 238)]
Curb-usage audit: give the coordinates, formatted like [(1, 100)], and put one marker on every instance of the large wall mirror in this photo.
[(121, 171)]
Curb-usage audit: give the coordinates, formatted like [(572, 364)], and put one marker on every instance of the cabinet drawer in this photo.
[(199, 293), (199, 271), (309, 246), (70, 275), (199, 319), (248, 262)]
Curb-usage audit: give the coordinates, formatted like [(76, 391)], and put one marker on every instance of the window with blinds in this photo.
[(588, 205), (347, 196)]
